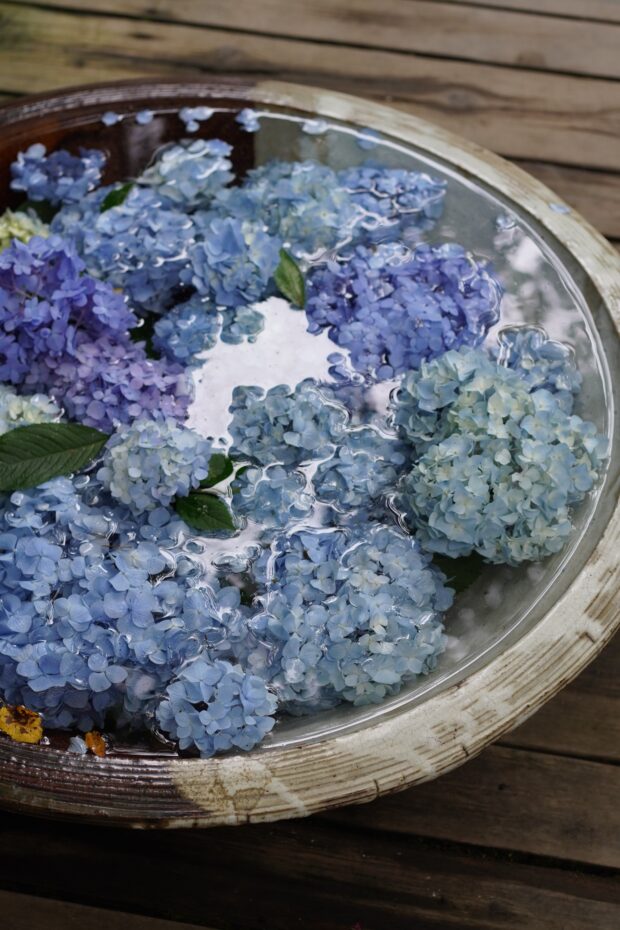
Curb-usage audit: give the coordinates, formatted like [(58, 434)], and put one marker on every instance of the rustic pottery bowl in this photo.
[(516, 638)]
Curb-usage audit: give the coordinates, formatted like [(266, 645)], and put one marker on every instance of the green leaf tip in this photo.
[(289, 280), (206, 512)]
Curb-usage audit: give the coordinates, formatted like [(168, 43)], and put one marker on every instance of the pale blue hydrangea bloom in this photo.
[(148, 464), (285, 426), (500, 464), (541, 362), (190, 173), (139, 246), (394, 200), (23, 411), (58, 177), (348, 615), (233, 261), (215, 706), (392, 307), (192, 117), (248, 119), (271, 496), (300, 203), (187, 330), (366, 465)]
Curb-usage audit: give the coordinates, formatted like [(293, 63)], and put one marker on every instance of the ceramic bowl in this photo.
[(516, 637)]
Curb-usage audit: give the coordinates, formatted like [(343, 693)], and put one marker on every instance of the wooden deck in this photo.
[(528, 834)]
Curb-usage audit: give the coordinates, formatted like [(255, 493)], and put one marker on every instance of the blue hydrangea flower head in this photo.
[(215, 706), (284, 426), (148, 464), (541, 362), (187, 330), (499, 462), (348, 614), (272, 496), (392, 307), (58, 177), (190, 173), (139, 246), (394, 201), (234, 260)]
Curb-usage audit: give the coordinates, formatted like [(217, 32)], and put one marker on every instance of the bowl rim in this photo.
[(417, 743)]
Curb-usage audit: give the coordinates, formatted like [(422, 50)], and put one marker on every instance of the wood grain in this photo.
[(521, 114), (510, 799), (465, 31), (27, 912), (303, 874), (599, 10)]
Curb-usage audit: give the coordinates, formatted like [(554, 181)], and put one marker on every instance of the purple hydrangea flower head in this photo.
[(58, 177), (392, 307), (46, 300), (148, 464), (499, 462)]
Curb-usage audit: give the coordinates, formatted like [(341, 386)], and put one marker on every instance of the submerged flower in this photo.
[(499, 462), (58, 177), (22, 411), (190, 173), (347, 615), (285, 426), (541, 362), (234, 260), (20, 225), (187, 330), (148, 464), (393, 307), (271, 496)]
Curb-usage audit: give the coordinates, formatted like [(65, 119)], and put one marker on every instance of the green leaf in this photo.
[(43, 209), (289, 279), (115, 197), (462, 572), (30, 455), (205, 512), (220, 467)]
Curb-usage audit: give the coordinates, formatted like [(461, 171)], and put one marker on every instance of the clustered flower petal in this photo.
[(392, 307), (148, 464), (58, 177), (190, 173), (348, 615), (272, 496), (541, 362), (500, 463), (22, 225), (285, 427), (215, 706), (22, 411), (187, 330)]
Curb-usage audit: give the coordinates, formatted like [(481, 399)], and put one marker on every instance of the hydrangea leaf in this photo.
[(460, 573), (43, 209), (289, 280), (220, 468), (205, 512), (30, 455), (116, 197)]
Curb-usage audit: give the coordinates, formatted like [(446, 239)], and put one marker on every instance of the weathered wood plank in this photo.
[(466, 31), (595, 194), (511, 799), (521, 114), (584, 718), (303, 873), (27, 912), (602, 10)]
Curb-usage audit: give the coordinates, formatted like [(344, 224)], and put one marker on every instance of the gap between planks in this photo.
[(529, 115), (29, 912), (308, 873), (465, 31)]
